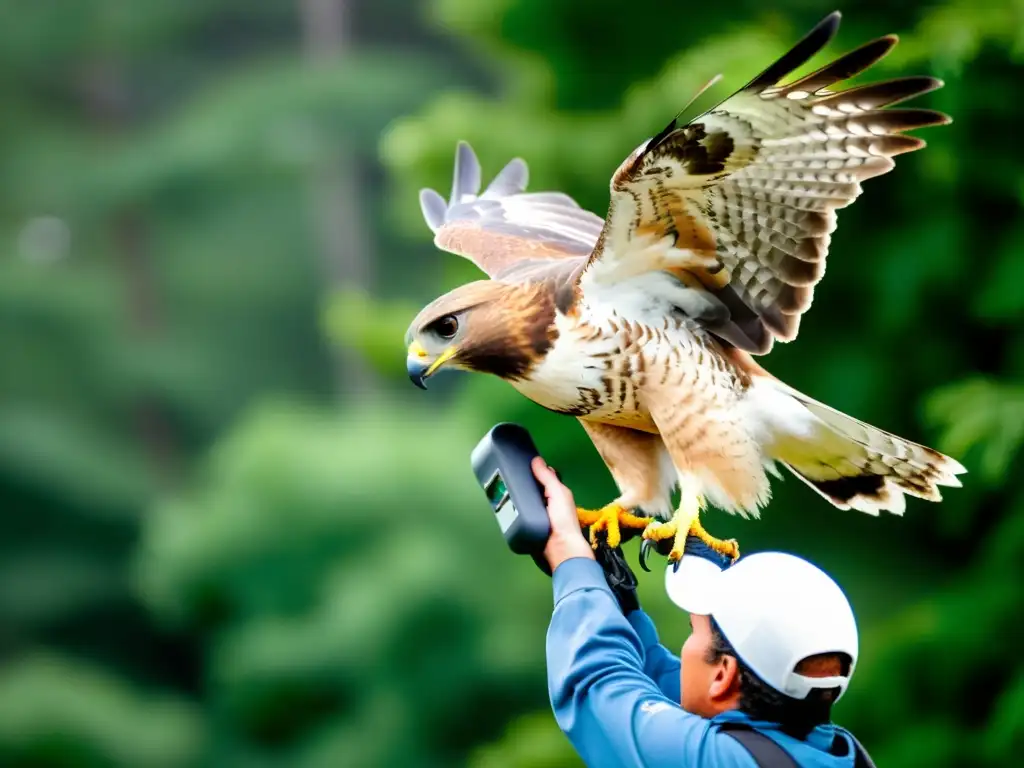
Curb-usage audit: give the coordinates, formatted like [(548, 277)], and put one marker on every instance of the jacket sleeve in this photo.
[(660, 664), (612, 712)]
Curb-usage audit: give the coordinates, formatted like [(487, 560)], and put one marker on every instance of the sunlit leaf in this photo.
[(982, 414)]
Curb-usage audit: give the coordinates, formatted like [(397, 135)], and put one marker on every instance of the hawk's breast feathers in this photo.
[(621, 340)]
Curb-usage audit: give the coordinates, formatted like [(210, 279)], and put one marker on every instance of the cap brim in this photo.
[(693, 586)]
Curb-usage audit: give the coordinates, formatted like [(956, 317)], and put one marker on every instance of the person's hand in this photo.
[(566, 540)]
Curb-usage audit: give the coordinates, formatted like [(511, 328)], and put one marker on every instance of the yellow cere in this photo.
[(441, 360)]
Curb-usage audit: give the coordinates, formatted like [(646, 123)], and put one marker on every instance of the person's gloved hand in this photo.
[(622, 581), (620, 577)]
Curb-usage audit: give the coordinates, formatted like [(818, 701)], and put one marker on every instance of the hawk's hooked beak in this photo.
[(419, 366)]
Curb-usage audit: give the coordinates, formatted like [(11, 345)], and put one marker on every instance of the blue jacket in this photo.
[(615, 690)]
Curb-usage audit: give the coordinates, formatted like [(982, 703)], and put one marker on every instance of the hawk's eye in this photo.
[(446, 327)]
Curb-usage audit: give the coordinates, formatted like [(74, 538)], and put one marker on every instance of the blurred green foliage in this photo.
[(216, 552)]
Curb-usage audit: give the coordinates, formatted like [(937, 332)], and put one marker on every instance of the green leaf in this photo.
[(1003, 739), (375, 328), (59, 711), (983, 414), (1001, 298)]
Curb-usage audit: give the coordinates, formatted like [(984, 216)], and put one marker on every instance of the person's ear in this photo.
[(726, 682)]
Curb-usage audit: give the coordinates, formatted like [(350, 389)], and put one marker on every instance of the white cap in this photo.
[(775, 609)]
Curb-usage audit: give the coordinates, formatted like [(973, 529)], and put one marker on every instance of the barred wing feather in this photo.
[(744, 196)]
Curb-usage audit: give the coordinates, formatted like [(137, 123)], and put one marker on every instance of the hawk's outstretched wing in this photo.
[(743, 197), (506, 225)]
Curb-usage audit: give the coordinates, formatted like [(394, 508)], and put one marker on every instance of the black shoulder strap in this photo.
[(863, 758), (766, 753)]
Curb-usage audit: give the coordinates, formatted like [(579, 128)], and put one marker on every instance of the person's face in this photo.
[(708, 688)]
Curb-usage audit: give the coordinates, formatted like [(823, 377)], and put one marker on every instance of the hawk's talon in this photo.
[(611, 519), (645, 547), (656, 532), (669, 530), (650, 545)]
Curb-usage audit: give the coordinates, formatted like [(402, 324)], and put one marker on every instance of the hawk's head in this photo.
[(484, 326)]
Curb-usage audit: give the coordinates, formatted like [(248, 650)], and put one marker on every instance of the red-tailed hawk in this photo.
[(643, 325)]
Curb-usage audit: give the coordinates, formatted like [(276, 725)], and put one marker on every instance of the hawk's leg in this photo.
[(686, 522), (611, 519), (636, 461)]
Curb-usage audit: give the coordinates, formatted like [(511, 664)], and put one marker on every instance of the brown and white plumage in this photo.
[(643, 324)]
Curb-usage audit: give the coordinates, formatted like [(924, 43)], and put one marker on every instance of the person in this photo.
[(772, 647)]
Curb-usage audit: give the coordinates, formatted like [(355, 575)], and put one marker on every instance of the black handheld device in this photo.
[(501, 463)]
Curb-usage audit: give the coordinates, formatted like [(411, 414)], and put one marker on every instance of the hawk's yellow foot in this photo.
[(728, 547), (610, 519), (686, 522)]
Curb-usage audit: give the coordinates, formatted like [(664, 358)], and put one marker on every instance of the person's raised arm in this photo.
[(660, 664), (612, 712)]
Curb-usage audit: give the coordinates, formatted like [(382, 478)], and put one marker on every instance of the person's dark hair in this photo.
[(797, 717)]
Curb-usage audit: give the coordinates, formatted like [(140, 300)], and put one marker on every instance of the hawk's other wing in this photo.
[(744, 196), (506, 225)]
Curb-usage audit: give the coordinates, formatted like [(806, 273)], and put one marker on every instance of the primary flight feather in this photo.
[(643, 324)]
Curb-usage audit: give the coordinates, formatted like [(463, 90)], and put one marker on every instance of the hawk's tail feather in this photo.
[(854, 465)]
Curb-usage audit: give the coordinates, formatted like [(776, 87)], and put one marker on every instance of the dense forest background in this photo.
[(233, 534)]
